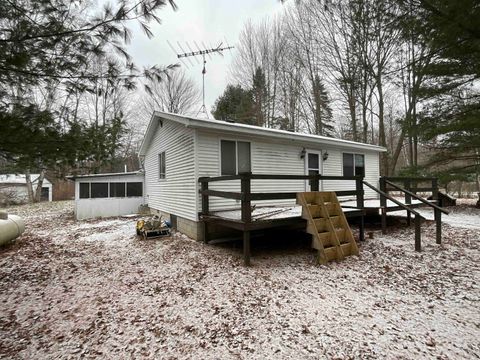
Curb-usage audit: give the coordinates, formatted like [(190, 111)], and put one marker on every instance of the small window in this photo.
[(353, 165), (134, 189), (235, 157), (359, 164), (84, 190), (243, 149), (98, 190), (117, 189), (229, 159), (161, 165)]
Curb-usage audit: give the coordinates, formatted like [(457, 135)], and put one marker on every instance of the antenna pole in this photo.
[(204, 52)]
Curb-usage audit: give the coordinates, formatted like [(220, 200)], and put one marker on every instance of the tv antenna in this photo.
[(200, 52)]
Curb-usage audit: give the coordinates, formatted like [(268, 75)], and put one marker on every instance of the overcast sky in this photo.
[(210, 22)]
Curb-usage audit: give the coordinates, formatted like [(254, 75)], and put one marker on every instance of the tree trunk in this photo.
[(384, 170), (28, 181), (38, 190)]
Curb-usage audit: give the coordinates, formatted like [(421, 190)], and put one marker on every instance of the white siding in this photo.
[(334, 166), (275, 158), (176, 194)]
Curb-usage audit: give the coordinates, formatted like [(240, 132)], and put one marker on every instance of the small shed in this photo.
[(104, 195), (13, 188)]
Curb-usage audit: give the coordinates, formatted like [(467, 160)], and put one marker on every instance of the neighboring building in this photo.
[(177, 150), (13, 188), (103, 195)]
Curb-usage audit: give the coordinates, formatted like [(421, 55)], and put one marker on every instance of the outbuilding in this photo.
[(13, 188), (104, 195), (177, 150)]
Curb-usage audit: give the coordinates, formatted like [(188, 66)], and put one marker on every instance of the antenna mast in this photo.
[(204, 52)]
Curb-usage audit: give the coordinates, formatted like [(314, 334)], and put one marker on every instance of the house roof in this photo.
[(74, 177), (20, 179), (244, 129)]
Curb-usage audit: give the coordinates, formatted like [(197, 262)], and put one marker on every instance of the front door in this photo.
[(312, 165)]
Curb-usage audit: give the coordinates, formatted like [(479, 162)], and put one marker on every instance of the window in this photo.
[(134, 189), (235, 157), (117, 189), (353, 164), (84, 190), (98, 190), (161, 165)]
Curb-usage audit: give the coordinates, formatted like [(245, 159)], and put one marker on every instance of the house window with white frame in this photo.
[(353, 164), (161, 165), (235, 157)]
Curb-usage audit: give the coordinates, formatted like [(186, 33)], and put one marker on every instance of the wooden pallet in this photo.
[(326, 222)]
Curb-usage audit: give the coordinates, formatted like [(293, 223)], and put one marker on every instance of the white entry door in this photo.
[(312, 166)]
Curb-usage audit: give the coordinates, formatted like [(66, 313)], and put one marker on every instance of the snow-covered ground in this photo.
[(93, 290)]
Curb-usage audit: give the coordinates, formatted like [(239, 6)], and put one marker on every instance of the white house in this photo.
[(103, 195), (14, 187), (177, 150)]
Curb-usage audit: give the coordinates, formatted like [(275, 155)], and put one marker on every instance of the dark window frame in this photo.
[(353, 167), (162, 166), (235, 160)]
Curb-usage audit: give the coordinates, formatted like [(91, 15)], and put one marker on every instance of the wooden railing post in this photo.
[(383, 204), (314, 181), (246, 189), (435, 190), (418, 233), (408, 200), (360, 204), (205, 207), (205, 199)]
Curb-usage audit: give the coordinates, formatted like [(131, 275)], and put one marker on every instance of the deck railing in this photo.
[(246, 196)]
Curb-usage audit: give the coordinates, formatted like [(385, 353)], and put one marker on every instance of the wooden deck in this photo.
[(252, 216)]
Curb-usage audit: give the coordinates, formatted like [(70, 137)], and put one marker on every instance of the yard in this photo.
[(91, 289)]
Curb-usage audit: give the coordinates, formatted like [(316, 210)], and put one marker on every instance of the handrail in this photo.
[(393, 199), (418, 197), (402, 179), (275, 177)]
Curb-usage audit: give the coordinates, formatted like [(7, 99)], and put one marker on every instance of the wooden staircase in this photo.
[(326, 222)]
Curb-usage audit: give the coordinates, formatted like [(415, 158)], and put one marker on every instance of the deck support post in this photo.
[(383, 204), (418, 234), (360, 205), (362, 228), (438, 223), (205, 209), (246, 189)]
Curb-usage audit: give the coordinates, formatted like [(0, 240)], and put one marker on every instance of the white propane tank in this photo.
[(11, 227)]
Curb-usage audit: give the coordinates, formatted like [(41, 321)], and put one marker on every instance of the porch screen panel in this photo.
[(99, 190), (228, 156), (117, 189), (84, 190), (244, 161)]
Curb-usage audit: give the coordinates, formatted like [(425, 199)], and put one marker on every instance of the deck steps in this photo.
[(326, 222)]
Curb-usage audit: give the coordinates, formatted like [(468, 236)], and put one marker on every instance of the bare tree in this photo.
[(176, 94)]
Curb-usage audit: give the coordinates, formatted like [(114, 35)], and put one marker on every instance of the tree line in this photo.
[(400, 74)]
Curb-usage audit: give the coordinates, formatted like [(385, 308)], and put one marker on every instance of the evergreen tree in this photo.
[(235, 104), (323, 111), (55, 45), (451, 116), (259, 96)]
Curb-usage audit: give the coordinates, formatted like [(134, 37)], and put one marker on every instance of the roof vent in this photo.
[(230, 121)]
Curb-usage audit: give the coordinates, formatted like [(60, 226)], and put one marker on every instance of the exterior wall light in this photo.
[(325, 155), (302, 153)]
